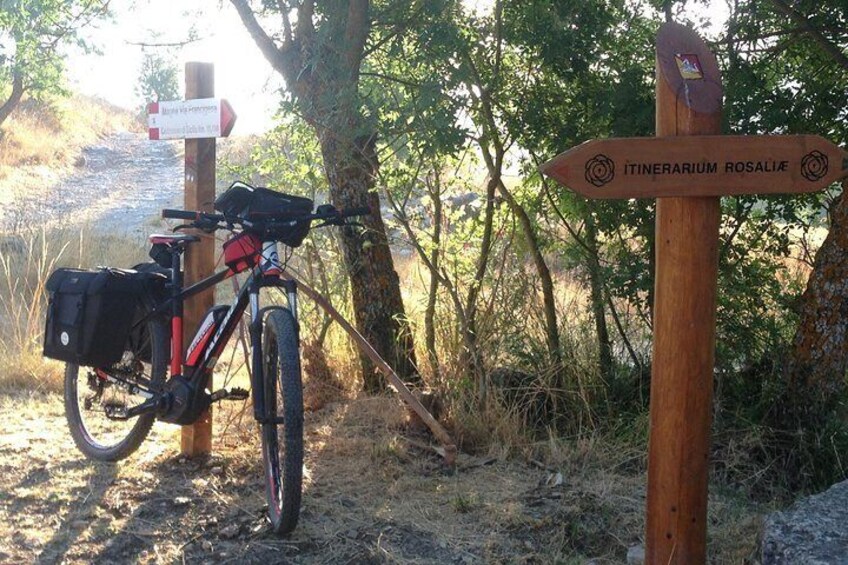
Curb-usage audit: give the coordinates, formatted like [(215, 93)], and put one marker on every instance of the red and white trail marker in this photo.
[(190, 119)]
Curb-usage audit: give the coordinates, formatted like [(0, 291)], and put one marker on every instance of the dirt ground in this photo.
[(368, 498)]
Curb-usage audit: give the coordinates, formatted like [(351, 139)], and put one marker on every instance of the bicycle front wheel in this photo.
[(282, 434)]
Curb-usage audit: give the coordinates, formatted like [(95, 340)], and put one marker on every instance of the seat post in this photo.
[(176, 311)]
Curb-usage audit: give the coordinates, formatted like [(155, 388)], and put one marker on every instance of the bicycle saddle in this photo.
[(173, 238)]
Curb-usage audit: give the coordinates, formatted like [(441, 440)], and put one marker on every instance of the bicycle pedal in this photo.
[(238, 393), (116, 412), (235, 393)]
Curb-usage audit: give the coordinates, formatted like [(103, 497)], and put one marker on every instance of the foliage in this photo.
[(460, 95), (158, 78), (32, 33)]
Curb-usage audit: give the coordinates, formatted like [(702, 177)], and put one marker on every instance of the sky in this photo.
[(242, 75)]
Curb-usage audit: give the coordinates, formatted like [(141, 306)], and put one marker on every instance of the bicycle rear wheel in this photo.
[(282, 437), (88, 396)]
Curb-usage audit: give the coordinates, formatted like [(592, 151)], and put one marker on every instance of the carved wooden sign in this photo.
[(704, 165)]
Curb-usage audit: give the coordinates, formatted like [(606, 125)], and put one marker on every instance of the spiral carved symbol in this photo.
[(600, 170), (814, 166)]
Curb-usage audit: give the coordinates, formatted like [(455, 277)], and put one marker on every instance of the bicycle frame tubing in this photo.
[(262, 275)]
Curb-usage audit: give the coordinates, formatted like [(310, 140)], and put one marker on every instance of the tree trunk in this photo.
[(14, 97), (433, 291), (473, 358), (320, 60), (596, 286), (819, 355), (375, 286), (548, 300)]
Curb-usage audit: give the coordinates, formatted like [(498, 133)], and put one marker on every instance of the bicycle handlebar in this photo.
[(361, 211), (209, 221), (179, 214)]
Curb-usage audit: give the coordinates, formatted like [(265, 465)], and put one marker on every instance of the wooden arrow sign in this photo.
[(708, 165)]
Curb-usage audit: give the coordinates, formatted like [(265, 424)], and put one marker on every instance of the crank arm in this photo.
[(122, 413)]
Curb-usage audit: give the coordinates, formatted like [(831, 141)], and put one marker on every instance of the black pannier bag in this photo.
[(154, 279), (90, 314), (257, 203)]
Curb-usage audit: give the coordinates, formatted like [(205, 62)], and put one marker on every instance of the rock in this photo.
[(814, 531), (635, 555), (229, 532)]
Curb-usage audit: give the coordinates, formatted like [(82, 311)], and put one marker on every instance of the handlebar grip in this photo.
[(179, 214), (360, 211)]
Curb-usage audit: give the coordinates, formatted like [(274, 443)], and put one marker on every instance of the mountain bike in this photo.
[(113, 393)]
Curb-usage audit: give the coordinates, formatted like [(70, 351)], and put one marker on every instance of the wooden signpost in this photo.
[(199, 120), (687, 175)]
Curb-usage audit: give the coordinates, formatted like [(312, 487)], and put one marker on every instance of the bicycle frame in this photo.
[(194, 369)]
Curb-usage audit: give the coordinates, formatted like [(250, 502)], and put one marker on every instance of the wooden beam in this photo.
[(684, 314), (196, 439)]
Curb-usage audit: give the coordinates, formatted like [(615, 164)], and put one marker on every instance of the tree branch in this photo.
[(356, 33), (273, 54), (801, 20)]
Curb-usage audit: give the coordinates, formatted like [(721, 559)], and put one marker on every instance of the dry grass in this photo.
[(370, 495), (52, 133), (40, 141), (26, 261)]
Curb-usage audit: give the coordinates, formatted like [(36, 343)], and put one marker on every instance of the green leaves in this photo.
[(31, 35), (158, 79)]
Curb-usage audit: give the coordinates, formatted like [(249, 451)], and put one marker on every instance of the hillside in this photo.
[(41, 141)]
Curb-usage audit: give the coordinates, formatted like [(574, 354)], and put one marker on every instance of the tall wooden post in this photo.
[(688, 175), (200, 257), (689, 97)]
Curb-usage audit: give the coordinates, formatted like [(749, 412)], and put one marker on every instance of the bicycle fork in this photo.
[(256, 318)]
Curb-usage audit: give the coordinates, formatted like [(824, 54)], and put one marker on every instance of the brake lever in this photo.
[(208, 226)]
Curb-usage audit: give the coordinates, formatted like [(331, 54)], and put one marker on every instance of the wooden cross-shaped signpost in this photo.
[(198, 119), (687, 175)]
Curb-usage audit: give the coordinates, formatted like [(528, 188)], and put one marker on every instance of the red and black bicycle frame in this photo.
[(186, 395)]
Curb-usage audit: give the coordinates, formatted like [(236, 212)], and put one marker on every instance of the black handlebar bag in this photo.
[(258, 204), (90, 314)]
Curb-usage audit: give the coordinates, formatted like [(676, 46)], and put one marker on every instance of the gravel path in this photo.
[(119, 187)]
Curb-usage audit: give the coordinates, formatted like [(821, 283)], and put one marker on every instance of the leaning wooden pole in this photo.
[(196, 439), (688, 103), (448, 451)]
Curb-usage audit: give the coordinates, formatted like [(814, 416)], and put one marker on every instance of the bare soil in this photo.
[(370, 496), (116, 187)]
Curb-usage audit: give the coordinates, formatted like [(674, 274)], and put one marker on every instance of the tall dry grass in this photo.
[(26, 260), (52, 132)]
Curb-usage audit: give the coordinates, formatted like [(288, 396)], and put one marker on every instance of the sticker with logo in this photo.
[(689, 66)]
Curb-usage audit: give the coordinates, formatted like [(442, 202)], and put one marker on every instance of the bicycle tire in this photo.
[(138, 430), (282, 384)]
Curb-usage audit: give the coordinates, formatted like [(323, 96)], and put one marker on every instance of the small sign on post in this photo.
[(687, 167), (199, 120), (190, 119)]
